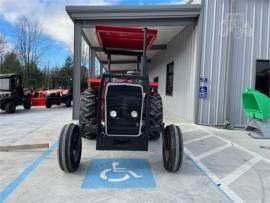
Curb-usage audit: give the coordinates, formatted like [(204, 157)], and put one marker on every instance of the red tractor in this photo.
[(121, 110), (59, 92)]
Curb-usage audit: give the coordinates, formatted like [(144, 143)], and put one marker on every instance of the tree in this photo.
[(36, 76), (67, 68), (3, 43), (11, 64), (30, 44)]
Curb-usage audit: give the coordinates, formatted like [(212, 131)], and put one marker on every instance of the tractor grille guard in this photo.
[(105, 140), (123, 98)]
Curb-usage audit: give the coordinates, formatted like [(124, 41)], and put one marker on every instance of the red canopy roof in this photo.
[(124, 37)]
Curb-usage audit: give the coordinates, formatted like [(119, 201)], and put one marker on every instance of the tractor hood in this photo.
[(57, 91)]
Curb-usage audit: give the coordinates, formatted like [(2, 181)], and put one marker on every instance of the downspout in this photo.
[(228, 72)]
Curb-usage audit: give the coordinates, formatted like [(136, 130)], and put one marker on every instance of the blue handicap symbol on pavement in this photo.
[(118, 173)]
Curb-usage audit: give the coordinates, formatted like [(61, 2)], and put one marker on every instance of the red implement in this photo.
[(38, 98)]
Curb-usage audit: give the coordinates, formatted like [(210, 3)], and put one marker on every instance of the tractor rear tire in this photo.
[(48, 103), (172, 148), (27, 103), (10, 107), (155, 115), (88, 114), (70, 148), (58, 103)]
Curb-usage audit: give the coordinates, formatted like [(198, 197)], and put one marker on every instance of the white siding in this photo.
[(182, 51), (250, 41), (213, 61)]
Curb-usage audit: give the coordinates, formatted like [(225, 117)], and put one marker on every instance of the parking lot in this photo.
[(219, 166)]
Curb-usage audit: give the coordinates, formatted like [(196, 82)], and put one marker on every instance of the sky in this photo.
[(56, 25)]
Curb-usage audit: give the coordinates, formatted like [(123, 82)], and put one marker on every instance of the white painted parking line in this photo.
[(252, 153), (198, 139), (223, 187), (189, 130), (241, 170), (213, 151), (237, 146), (223, 184)]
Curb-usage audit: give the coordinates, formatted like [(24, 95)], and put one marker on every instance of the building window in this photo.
[(263, 76), (169, 79), (156, 80)]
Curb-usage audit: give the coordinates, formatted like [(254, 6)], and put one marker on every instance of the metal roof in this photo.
[(8, 75), (116, 37), (136, 15)]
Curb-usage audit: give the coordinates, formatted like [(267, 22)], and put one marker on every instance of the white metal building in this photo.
[(204, 56)]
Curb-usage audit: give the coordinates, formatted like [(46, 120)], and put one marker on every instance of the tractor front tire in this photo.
[(48, 103), (68, 102), (88, 114), (10, 107), (172, 148), (155, 116), (70, 148), (27, 103)]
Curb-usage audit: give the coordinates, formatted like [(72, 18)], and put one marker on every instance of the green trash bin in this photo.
[(255, 104)]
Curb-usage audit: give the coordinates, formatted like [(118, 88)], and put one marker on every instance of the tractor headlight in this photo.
[(113, 113), (134, 114)]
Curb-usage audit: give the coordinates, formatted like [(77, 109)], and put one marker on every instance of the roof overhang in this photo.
[(146, 15), (167, 19)]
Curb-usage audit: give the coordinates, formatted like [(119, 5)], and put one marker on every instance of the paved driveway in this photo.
[(219, 166)]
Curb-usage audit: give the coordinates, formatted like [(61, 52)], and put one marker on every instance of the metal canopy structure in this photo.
[(138, 16), (164, 35), (167, 19)]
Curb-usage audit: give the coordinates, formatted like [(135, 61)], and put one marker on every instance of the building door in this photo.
[(262, 83)]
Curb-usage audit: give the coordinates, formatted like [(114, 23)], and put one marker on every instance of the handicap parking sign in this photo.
[(119, 173), (203, 92)]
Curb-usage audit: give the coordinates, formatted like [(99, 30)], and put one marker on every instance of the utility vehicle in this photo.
[(12, 93), (124, 114)]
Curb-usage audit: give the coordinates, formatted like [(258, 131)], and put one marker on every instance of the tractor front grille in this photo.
[(123, 98)]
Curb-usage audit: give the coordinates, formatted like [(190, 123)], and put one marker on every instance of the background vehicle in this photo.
[(119, 109), (12, 93), (59, 92)]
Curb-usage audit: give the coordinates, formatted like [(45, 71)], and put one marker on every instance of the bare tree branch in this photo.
[(31, 44), (3, 47)]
